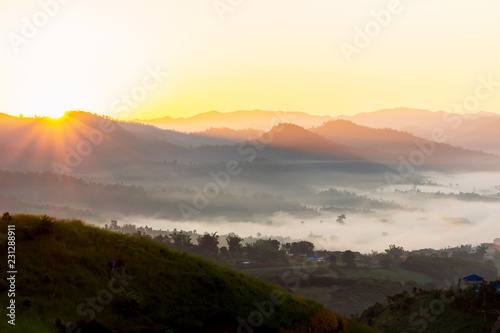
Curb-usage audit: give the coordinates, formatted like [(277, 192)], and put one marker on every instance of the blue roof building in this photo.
[(473, 277)]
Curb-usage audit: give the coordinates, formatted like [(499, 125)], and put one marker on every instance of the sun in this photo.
[(52, 100), (54, 114)]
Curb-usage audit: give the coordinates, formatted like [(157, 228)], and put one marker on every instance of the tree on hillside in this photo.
[(270, 244), (348, 258), (6, 217), (234, 244), (302, 247), (162, 239), (181, 240), (126, 229), (208, 243), (265, 251), (395, 251)]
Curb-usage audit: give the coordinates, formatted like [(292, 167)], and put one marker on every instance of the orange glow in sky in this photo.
[(97, 56)]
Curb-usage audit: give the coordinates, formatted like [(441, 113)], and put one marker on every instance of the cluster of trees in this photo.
[(269, 250), (261, 251), (302, 247), (465, 253), (391, 256), (272, 251), (351, 259)]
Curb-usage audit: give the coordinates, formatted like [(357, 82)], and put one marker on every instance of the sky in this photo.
[(149, 59)]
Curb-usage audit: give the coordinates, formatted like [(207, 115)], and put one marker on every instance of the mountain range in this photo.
[(36, 144), (477, 131), (106, 167)]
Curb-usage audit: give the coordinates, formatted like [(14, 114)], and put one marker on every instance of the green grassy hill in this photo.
[(64, 276), (455, 310)]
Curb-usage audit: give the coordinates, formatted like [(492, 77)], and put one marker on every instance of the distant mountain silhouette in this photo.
[(479, 134), (387, 145), (90, 143), (297, 139), (478, 131), (402, 118), (34, 144), (236, 120), (214, 127), (227, 135)]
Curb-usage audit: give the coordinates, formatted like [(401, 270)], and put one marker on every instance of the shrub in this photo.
[(45, 225), (6, 217)]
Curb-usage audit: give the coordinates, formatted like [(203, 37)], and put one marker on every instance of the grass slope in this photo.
[(63, 265), (435, 311)]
